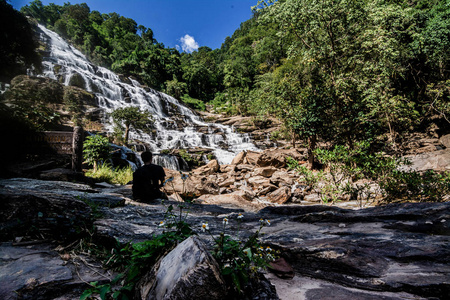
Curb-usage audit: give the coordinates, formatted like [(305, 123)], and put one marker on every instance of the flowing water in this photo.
[(176, 126)]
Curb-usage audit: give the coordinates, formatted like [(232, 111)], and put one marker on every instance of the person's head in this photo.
[(146, 157)]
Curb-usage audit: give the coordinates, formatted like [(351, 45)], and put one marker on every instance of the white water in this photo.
[(112, 93)]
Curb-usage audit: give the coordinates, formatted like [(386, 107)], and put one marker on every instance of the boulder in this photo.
[(265, 171), (41, 213), (280, 196), (436, 160), (235, 200), (245, 192), (277, 158), (252, 157), (445, 140), (259, 182), (210, 168), (282, 177), (34, 270), (238, 159), (61, 174), (227, 182), (187, 272)]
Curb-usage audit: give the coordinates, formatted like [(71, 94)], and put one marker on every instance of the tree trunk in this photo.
[(127, 133)]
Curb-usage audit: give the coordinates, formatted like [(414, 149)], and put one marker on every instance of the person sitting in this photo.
[(147, 180)]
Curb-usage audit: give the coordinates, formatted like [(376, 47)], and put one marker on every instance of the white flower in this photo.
[(225, 221), (205, 226), (240, 216), (264, 222), (161, 224), (268, 249)]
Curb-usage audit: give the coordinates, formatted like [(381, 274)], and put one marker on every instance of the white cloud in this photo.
[(188, 43)]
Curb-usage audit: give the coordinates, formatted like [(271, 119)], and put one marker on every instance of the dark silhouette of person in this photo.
[(147, 180)]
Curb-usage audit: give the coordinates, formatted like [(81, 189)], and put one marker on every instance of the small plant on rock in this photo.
[(239, 261)]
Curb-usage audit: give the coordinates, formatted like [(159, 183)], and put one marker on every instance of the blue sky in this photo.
[(186, 24)]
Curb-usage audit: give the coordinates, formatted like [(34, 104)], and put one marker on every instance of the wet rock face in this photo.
[(395, 251), (36, 271)]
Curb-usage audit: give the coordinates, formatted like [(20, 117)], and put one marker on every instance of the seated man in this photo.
[(147, 180)]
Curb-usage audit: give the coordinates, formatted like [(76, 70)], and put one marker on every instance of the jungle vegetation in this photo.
[(337, 70)]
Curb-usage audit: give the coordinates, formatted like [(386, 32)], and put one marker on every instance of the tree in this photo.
[(131, 117), (17, 47), (96, 148)]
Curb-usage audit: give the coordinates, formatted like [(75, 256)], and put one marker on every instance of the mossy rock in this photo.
[(35, 90), (77, 80)]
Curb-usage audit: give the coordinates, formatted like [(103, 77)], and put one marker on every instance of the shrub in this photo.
[(96, 148), (114, 176)]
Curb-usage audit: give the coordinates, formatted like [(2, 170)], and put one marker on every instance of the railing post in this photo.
[(77, 148)]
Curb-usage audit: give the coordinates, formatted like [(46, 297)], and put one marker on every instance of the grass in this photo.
[(114, 176)]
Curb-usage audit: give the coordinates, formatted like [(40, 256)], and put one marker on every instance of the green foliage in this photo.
[(176, 88), (131, 117), (18, 47), (104, 173), (240, 260), (416, 186), (96, 148), (193, 103)]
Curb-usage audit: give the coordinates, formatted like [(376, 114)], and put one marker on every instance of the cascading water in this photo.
[(176, 125)]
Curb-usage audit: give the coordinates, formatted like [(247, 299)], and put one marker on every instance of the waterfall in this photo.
[(177, 126)]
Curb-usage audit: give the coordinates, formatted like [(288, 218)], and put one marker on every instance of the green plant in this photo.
[(412, 185), (96, 148), (131, 117), (106, 173), (193, 103), (132, 260), (239, 260), (95, 211)]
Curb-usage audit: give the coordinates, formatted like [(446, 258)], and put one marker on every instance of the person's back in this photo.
[(147, 180)]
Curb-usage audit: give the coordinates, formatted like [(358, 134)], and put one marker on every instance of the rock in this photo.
[(61, 174), (436, 160), (77, 80), (227, 182), (265, 172), (395, 251), (227, 168), (259, 182), (35, 271), (252, 157), (235, 200), (41, 213), (281, 268), (314, 197), (348, 255), (210, 168), (277, 158), (426, 149), (187, 272), (282, 178), (445, 140), (245, 192), (238, 159), (280, 196), (244, 168), (208, 186), (265, 190)]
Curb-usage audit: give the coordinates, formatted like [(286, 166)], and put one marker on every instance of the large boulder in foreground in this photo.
[(187, 272), (31, 212)]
